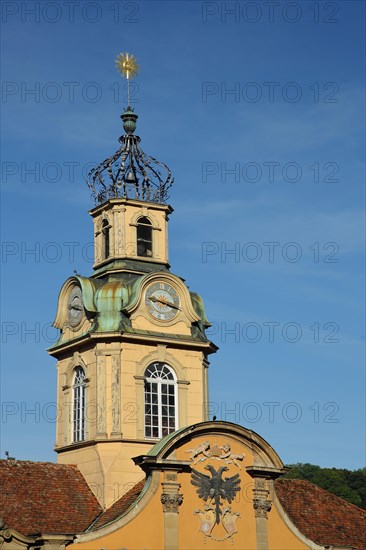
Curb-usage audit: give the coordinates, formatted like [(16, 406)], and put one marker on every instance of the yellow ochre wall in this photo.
[(122, 216), (146, 530), (115, 362), (143, 526), (105, 459)]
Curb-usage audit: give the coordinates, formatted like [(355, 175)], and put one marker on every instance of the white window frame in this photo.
[(160, 382), (78, 419)]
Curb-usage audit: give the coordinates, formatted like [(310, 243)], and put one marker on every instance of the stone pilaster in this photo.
[(119, 233), (115, 396), (262, 505), (101, 406), (171, 499), (206, 402)]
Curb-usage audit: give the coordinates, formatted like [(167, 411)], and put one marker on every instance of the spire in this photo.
[(130, 173)]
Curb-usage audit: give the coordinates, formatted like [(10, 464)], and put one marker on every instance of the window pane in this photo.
[(144, 237), (78, 399), (105, 233), (160, 395)]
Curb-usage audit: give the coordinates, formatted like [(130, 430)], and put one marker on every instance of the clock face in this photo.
[(162, 301), (75, 307)]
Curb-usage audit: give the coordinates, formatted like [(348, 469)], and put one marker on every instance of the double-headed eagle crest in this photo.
[(215, 489)]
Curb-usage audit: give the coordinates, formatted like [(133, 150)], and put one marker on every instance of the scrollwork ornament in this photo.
[(6, 534)]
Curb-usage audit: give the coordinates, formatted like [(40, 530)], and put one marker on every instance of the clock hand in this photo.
[(170, 304), (164, 302)]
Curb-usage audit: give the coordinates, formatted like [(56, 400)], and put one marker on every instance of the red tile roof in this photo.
[(321, 516), (120, 506), (42, 497)]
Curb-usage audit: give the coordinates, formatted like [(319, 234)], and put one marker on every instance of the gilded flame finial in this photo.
[(129, 172), (127, 66)]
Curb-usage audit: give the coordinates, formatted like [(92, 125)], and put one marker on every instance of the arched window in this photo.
[(78, 405), (160, 400), (105, 232), (144, 237)]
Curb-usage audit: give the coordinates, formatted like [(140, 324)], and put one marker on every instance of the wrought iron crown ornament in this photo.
[(130, 173)]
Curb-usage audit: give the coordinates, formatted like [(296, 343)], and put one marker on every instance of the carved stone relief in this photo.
[(261, 503), (171, 502), (215, 452), (218, 493)]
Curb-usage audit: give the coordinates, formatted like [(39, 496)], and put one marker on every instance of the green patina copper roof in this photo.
[(155, 450), (108, 302), (89, 287), (110, 299), (136, 266)]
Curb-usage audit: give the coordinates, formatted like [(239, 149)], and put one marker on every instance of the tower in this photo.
[(132, 356)]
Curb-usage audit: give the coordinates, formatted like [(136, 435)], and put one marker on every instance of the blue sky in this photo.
[(258, 110)]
